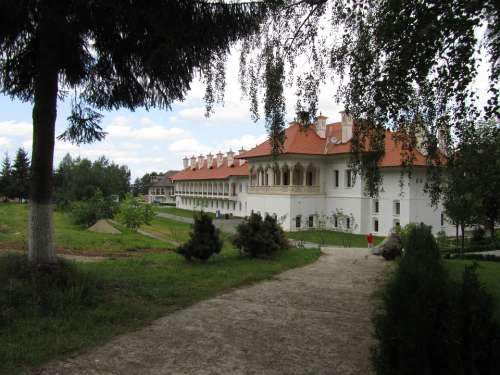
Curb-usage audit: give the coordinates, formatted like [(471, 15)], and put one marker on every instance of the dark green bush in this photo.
[(478, 235), (422, 327), (90, 211), (260, 238), (42, 290), (204, 241)]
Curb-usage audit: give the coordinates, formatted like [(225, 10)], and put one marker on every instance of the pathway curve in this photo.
[(311, 320)]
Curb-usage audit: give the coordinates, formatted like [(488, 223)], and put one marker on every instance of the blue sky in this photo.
[(157, 140)]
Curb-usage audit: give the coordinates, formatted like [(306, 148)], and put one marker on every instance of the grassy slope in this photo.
[(132, 293), (489, 273), (70, 237), (168, 229), (333, 238)]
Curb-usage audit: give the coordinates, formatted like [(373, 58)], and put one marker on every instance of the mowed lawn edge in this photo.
[(131, 293)]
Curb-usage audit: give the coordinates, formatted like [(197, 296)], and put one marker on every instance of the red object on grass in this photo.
[(369, 238)]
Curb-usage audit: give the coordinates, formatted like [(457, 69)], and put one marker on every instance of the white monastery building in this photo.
[(309, 184)]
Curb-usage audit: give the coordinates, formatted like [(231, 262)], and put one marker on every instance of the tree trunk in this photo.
[(41, 246), (462, 227)]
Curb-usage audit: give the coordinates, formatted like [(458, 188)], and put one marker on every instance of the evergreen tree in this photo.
[(6, 179), (112, 54), (21, 174)]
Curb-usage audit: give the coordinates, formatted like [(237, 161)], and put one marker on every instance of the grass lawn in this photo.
[(330, 237), (130, 293), (182, 212), (69, 237), (169, 229), (489, 274)]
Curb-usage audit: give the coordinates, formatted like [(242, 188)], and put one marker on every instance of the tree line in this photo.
[(15, 177)]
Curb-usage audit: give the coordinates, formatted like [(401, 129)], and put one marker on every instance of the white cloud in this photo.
[(4, 142), (15, 128), (120, 128), (188, 146), (246, 141)]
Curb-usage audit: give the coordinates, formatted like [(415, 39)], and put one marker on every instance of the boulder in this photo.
[(391, 247)]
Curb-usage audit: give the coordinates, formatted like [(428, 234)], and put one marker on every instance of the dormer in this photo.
[(210, 160), (220, 159), (320, 125), (201, 159), (241, 152), (230, 158), (346, 124)]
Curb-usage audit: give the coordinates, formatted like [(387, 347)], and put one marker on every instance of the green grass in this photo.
[(182, 212), (489, 274), (131, 293), (169, 229), (70, 237), (334, 238)]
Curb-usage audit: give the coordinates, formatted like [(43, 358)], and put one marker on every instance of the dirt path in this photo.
[(312, 320)]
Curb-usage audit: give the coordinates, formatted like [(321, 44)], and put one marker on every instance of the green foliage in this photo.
[(43, 291), (88, 212), (80, 179), (21, 174), (133, 213), (424, 325), (478, 234), (260, 238), (7, 179), (204, 239)]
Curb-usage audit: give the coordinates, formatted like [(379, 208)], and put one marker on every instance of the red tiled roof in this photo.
[(306, 141), (297, 141), (214, 173)]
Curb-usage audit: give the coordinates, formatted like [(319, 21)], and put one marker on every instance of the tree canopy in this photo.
[(409, 66)]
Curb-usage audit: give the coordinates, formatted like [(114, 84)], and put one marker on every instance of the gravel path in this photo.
[(311, 320)]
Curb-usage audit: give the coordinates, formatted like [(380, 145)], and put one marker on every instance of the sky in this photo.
[(157, 140)]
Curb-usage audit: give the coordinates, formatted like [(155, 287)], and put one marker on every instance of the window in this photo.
[(335, 222), (442, 219), (348, 223), (240, 205), (376, 206), (375, 225), (396, 208), (241, 188), (234, 206), (297, 221), (216, 204), (336, 178), (311, 221), (348, 178)]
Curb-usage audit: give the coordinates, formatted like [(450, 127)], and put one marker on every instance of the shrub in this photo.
[(89, 212), (260, 238), (424, 325), (204, 241), (45, 290), (478, 235), (133, 213)]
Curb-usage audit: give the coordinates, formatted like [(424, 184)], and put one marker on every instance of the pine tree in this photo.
[(21, 174), (111, 54), (6, 179)]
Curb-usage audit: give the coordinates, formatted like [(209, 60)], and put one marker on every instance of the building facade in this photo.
[(310, 184), (162, 189)]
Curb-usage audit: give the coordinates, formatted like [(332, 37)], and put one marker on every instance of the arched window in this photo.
[(298, 175), (286, 175)]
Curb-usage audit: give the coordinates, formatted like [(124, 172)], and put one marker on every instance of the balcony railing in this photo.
[(284, 189)]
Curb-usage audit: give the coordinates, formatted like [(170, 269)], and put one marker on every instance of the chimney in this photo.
[(185, 162), (320, 125), (346, 126), (210, 159), (230, 158), (220, 159), (193, 162), (241, 152), (201, 159)]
